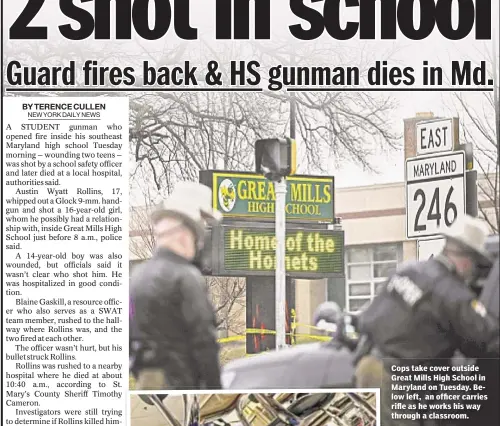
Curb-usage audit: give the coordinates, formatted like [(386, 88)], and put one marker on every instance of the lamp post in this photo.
[(276, 159), (280, 190)]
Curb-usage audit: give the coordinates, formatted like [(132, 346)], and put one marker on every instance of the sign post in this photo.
[(435, 193), (280, 188), (275, 159), (429, 248)]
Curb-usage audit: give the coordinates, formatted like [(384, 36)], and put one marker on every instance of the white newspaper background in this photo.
[(21, 405), (65, 260)]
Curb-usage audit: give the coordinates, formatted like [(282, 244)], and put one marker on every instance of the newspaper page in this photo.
[(250, 213)]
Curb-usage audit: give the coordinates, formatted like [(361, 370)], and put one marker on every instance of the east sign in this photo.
[(242, 250), (437, 136), (248, 196)]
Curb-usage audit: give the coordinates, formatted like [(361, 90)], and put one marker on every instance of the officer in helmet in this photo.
[(173, 342), (425, 312), (329, 317), (328, 313)]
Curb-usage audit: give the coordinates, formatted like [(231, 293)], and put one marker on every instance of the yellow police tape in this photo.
[(258, 331)]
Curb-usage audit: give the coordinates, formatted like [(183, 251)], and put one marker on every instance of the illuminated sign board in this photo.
[(248, 251), (240, 196)]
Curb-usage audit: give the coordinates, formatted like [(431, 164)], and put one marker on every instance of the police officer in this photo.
[(172, 327), (425, 312), (490, 368)]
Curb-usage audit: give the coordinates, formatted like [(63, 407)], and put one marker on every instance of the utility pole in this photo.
[(276, 159), (280, 190)]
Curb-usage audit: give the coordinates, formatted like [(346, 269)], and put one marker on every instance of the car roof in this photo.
[(303, 366)]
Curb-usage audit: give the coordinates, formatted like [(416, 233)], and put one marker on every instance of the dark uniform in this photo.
[(489, 413), (423, 314), (172, 326)]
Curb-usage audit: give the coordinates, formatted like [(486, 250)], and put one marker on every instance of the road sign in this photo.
[(429, 248), (436, 136), (435, 193)]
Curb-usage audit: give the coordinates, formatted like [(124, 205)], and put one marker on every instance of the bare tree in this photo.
[(228, 298), (174, 135), (141, 239), (480, 121), (338, 125)]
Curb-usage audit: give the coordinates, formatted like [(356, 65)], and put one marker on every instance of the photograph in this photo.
[(255, 409)]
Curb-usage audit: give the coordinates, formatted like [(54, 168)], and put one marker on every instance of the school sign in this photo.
[(309, 253), (248, 196)]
